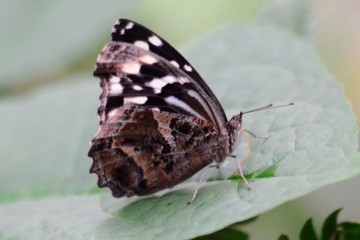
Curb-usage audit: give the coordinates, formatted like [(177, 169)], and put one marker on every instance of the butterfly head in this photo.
[(235, 123), (234, 126)]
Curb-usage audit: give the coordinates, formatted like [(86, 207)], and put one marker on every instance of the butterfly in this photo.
[(160, 123)]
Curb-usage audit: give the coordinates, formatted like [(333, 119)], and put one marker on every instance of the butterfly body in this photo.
[(159, 121)]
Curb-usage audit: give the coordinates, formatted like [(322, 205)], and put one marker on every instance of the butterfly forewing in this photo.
[(139, 36)]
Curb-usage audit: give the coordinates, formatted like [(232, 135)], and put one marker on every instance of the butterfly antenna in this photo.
[(244, 131), (270, 106)]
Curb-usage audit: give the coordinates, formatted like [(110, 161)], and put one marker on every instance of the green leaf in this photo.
[(225, 234), (44, 143), (283, 237), (308, 232), (55, 218), (312, 144), (329, 228), (292, 15), (348, 231)]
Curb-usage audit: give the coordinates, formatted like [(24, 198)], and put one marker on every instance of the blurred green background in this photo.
[(43, 42)]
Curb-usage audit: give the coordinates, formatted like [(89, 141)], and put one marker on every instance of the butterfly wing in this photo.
[(150, 72), (160, 122)]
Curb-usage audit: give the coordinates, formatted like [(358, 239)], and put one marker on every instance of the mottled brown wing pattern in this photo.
[(140, 151)]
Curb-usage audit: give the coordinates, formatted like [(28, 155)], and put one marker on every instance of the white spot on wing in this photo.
[(169, 79), (129, 25), (116, 23), (173, 62), (132, 68), (155, 40), (147, 59), (112, 113), (156, 83), (114, 79), (142, 44), (183, 80), (135, 100), (116, 89), (176, 102), (122, 32), (137, 88), (187, 68)]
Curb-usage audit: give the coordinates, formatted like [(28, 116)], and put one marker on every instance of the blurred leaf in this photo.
[(181, 15), (308, 232), (329, 229), (283, 237), (292, 15), (44, 141), (349, 231), (313, 144), (55, 218), (225, 234), (46, 36)]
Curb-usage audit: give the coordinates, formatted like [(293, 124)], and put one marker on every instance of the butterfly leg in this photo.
[(244, 131), (238, 161), (242, 173), (199, 184)]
